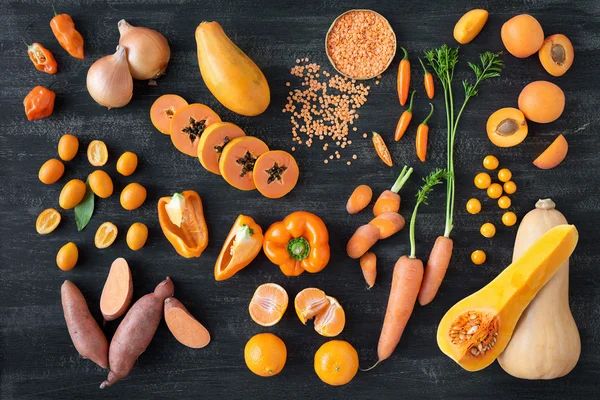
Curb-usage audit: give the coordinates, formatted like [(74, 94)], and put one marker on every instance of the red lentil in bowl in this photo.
[(360, 44)]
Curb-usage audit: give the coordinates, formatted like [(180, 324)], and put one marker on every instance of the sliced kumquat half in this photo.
[(47, 221), (163, 109), (97, 153), (105, 235), (331, 321), (310, 302), (268, 304)]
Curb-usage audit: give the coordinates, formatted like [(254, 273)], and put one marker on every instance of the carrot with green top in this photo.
[(403, 78), (382, 150), (404, 120), (428, 81), (389, 200), (423, 137)]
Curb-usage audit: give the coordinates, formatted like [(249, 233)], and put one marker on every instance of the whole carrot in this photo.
[(404, 120), (423, 137), (68, 37), (363, 239), (437, 265), (403, 78), (368, 265), (381, 149), (389, 200), (428, 81)]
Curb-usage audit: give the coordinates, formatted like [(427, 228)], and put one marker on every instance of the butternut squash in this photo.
[(477, 329), (230, 75), (545, 343)]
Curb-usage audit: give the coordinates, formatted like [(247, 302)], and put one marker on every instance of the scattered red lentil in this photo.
[(365, 135)]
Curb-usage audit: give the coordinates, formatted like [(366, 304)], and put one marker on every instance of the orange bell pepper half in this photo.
[(242, 245), (191, 237), (298, 243)]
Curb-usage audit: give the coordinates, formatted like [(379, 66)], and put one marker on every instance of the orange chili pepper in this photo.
[(298, 243), (428, 81), (39, 103), (191, 238), (381, 149), (242, 245), (404, 120), (68, 37), (41, 57), (403, 78), (423, 137)]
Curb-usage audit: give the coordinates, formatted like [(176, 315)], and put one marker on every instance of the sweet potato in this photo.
[(117, 291), (135, 332), (87, 337), (186, 329)]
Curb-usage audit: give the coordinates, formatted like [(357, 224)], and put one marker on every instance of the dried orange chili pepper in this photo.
[(298, 243), (404, 120), (68, 37), (428, 81), (190, 238), (403, 78), (242, 245), (381, 149), (39, 103), (423, 137)]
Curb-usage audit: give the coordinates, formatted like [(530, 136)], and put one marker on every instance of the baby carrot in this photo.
[(388, 223), (368, 265), (389, 200), (363, 239), (404, 119), (403, 78), (359, 199), (428, 81), (423, 137), (381, 149)]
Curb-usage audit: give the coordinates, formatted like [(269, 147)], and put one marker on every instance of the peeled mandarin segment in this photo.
[(105, 235), (268, 304), (186, 329), (275, 173), (188, 125), (97, 153), (506, 127), (238, 159), (331, 321), (310, 302), (163, 109), (213, 141), (556, 54), (554, 154), (47, 221)]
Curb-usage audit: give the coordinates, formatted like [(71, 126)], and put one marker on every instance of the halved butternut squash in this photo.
[(237, 161), (188, 125), (478, 328), (275, 173), (163, 109), (213, 141)]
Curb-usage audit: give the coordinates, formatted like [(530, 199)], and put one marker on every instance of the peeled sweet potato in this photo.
[(135, 332), (117, 291), (87, 337), (186, 329)]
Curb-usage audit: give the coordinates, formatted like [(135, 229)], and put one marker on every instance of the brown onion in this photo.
[(109, 81), (148, 51)]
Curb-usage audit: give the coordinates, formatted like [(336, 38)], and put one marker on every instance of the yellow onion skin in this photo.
[(109, 81), (148, 51)]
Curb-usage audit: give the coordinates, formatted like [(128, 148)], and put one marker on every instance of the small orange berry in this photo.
[(490, 162), (504, 175), (488, 230), (482, 180), (509, 218), (510, 187), (473, 206), (494, 191), (478, 257), (504, 202)]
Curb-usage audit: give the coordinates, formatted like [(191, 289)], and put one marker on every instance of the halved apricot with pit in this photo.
[(507, 127), (542, 101), (556, 54), (275, 173), (163, 109), (213, 141), (188, 125), (554, 154), (237, 161)]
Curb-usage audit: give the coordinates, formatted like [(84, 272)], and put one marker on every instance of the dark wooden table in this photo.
[(38, 358)]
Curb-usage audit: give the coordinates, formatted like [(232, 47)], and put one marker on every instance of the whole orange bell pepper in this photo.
[(39, 103), (298, 243), (191, 237), (242, 245)]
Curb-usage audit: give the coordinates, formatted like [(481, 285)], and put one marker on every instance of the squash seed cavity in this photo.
[(475, 331)]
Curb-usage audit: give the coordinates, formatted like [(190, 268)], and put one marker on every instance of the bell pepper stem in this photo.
[(298, 248)]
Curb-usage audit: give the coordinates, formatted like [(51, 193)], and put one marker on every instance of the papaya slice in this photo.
[(237, 161), (163, 109), (188, 125), (213, 141), (275, 173)]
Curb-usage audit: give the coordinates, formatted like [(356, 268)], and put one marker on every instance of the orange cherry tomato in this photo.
[(510, 187), (97, 153), (488, 230), (478, 257), (504, 175), (490, 162), (494, 191), (509, 218), (473, 206), (127, 163), (482, 180)]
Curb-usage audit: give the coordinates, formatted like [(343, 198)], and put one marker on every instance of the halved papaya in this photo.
[(275, 173), (188, 125), (163, 109), (213, 141), (237, 161)]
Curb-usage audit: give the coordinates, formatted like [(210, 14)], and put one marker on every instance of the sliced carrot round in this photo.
[(310, 302), (188, 125), (268, 304), (275, 173), (237, 161), (213, 141), (97, 153), (47, 221), (105, 235), (163, 109), (331, 321)]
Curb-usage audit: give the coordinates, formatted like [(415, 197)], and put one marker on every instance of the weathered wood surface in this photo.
[(38, 359)]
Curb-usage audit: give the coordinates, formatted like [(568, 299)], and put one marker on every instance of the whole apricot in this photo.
[(542, 101), (522, 35), (101, 184), (469, 25), (72, 194), (51, 171), (133, 196), (556, 54)]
